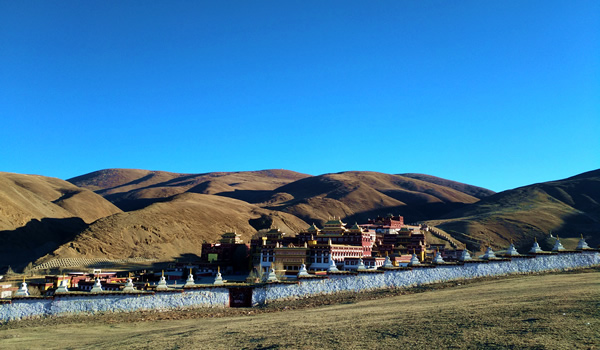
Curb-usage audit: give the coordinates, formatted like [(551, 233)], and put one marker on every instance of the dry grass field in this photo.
[(550, 311)]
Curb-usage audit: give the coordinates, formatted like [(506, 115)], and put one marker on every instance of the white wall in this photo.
[(219, 296), (114, 302), (418, 276)]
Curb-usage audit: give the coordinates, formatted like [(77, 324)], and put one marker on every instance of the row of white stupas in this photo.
[(271, 277), (465, 256), (97, 288)]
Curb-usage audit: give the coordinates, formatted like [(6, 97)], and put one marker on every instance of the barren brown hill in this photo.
[(39, 213), (27, 197), (475, 191), (132, 189), (357, 195), (172, 229), (568, 208)]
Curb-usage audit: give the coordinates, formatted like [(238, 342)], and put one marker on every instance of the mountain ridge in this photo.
[(163, 215)]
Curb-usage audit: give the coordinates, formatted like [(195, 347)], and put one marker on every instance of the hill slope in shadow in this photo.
[(39, 213)]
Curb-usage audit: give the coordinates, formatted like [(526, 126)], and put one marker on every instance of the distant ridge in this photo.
[(475, 191), (132, 189), (357, 195), (163, 215)]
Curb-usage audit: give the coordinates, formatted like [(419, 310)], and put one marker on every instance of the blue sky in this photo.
[(498, 94)]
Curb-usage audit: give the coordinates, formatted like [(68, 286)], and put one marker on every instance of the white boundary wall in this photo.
[(423, 275), (114, 302), (219, 296)]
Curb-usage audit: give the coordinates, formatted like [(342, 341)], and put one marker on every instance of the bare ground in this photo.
[(548, 311)]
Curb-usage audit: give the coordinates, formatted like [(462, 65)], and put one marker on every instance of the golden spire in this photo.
[(218, 269), (535, 239), (163, 273), (190, 270)]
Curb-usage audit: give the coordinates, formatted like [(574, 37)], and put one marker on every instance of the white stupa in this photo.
[(129, 286), (512, 251), (582, 244), (218, 278), (414, 260), (62, 288), (97, 288), (361, 265), (332, 266), (557, 245), (162, 284), (303, 272), (388, 262), (190, 280), (489, 254), (23, 291), (464, 256), (272, 277), (438, 258), (536, 247)]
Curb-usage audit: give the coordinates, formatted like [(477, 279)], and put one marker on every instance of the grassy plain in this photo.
[(548, 311)]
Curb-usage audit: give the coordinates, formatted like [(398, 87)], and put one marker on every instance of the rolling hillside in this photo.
[(172, 229), (169, 215), (358, 195), (568, 208), (39, 213), (477, 192), (132, 189)]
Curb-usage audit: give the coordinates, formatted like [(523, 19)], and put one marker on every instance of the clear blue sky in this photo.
[(497, 94)]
